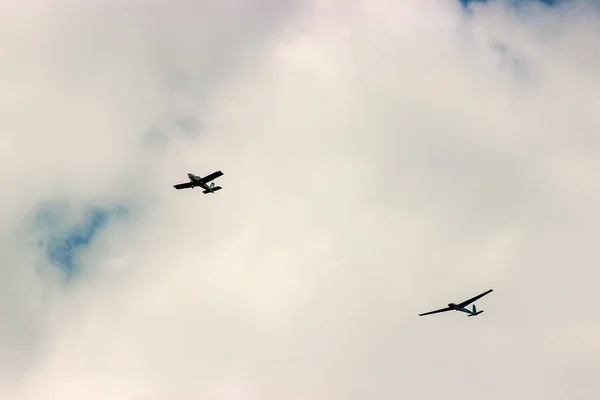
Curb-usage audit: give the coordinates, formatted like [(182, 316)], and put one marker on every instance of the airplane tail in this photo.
[(213, 188), (474, 312), (210, 187)]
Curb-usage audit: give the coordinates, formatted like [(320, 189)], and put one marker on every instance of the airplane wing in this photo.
[(436, 311), (183, 185), (212, 176), (466, 303)]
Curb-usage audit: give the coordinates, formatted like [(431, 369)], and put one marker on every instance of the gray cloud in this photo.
[(378, 161)]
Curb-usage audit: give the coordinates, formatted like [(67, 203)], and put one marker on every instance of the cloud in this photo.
[(381, 159)]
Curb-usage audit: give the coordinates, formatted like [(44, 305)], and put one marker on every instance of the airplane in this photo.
[(201, 182), (461, 306)]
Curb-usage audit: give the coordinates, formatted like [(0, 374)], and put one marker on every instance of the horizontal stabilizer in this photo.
[(477, 313), (214, 189)]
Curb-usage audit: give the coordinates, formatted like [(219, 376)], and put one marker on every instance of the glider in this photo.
[(461, 306)]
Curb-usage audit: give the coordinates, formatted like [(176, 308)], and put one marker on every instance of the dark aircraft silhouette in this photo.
[(461, 306), (201, 182)]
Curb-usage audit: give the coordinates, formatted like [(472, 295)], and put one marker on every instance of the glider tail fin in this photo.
[(474, 312)]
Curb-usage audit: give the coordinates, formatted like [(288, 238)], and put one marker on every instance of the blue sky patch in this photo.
[(66, 232)]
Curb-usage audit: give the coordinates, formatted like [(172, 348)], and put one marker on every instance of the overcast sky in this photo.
[(381, 159)]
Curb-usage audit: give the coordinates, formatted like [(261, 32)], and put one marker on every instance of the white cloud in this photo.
[(381, 159)]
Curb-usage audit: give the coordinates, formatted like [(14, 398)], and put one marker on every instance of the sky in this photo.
[(381, 159), (517, 3)]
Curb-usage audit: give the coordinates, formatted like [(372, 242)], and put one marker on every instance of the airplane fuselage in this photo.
[(463, 309), (197, 181)]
